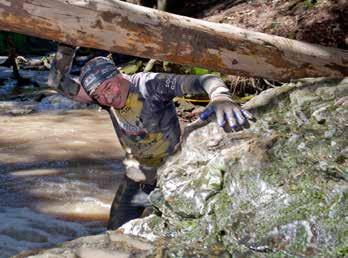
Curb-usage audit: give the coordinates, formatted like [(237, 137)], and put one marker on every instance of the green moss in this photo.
[(300, 243), (342, 251)]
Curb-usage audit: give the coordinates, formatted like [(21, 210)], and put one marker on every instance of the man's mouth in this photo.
[(115, 101)]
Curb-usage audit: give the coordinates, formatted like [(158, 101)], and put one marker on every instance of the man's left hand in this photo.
[(229, 115)]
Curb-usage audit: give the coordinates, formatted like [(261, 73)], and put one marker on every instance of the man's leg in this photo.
[(131, 199), (122, 209)]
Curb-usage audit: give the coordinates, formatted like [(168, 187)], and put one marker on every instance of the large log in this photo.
[(135, 30)]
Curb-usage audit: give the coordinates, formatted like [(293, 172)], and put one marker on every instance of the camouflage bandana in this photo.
[(95, 72)]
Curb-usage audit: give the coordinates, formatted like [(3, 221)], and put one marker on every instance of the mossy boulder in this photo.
[(278, 189)]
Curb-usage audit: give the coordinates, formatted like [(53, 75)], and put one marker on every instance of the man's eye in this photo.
[(108, 85)]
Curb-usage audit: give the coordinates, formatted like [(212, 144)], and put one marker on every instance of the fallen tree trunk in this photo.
[(135, 30)]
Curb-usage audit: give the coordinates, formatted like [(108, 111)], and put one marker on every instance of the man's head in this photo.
[(103, 82)]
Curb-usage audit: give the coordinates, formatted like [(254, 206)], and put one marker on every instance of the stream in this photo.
[(59, 170)]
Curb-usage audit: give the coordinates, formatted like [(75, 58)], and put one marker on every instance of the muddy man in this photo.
[(143, 113)]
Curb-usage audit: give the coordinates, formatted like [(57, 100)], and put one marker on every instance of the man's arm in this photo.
[(164, 87), (60, 79)]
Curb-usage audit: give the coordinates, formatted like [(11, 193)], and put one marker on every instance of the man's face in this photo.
[(112, 92)]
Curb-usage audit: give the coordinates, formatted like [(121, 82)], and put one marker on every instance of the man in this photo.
[(144, 117)]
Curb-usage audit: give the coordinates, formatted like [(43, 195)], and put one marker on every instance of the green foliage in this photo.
[(202, 71), (166, 66), (132, 67), (309, 4), (199, 71)]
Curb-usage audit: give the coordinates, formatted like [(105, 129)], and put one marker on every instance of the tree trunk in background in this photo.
[(135, 30)]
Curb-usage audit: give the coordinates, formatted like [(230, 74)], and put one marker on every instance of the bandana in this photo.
[(95, 72)]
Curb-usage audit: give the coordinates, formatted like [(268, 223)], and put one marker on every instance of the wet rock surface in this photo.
[(278, 189), (107, 245)]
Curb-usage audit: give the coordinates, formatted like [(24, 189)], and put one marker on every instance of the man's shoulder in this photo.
[(143, 80), (142, 76)]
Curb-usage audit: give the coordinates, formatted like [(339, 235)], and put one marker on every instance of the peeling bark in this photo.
[(135, 30)]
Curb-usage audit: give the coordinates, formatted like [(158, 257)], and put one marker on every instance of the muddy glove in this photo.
[(132, 166), (133, 170), (229, 115)]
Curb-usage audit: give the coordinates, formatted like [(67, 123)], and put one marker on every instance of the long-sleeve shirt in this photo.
[(148, 124)]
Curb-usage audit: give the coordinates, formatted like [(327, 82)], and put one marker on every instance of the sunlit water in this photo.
[(58, 175)]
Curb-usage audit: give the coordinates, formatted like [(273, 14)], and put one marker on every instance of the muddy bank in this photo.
[(321, 22)]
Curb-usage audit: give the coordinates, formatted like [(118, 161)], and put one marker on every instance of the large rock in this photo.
[(107, 245), (278, 189)]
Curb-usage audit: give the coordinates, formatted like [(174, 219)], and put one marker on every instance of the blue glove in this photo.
[(229, 115)]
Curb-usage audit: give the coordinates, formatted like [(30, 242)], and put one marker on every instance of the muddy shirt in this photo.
[(148, 123)]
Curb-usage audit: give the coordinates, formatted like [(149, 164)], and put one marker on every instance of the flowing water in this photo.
[(58, 175)]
